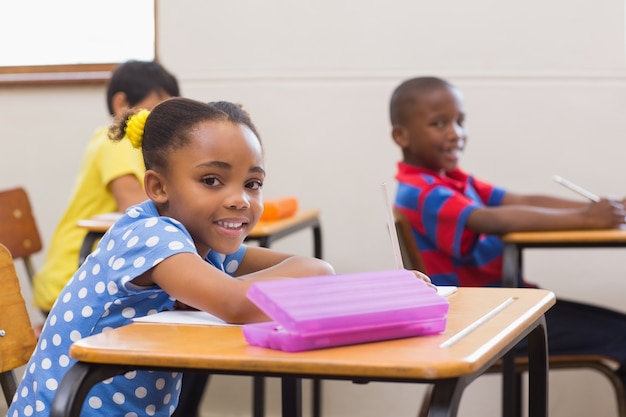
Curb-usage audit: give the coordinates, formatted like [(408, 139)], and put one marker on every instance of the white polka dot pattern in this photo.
[(102, 297)]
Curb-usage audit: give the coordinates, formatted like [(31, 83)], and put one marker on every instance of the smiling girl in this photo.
[(204, 181)]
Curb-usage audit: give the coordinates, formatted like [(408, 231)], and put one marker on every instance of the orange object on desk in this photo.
[(279, 208)]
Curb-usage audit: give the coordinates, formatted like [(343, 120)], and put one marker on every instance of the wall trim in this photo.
[(285, 76)]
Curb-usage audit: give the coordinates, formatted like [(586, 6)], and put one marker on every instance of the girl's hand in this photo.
[(425, 278)]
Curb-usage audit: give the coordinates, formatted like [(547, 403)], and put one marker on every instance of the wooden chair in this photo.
[(17, 339), (18, 229), (412, 259)]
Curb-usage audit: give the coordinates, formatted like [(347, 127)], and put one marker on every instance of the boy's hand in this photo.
[(425, 278), (606, 213)]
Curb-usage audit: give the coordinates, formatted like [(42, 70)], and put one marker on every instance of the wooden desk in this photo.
[(96, 227), (515, 243), (483, 324), (264, 232)]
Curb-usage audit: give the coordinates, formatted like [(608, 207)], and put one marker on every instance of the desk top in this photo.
[(568, 236), (510, 311), (101, 223), (265, 228)]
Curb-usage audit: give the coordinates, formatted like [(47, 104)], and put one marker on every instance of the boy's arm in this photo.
[(541, 201), (514, 218)]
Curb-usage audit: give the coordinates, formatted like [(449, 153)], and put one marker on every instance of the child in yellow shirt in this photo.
[(110, 178)]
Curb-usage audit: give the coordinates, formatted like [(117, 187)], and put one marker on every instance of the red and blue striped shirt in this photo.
[(437, 207)]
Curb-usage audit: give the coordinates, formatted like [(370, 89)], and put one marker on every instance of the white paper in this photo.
[(446, 290), (183, 317)]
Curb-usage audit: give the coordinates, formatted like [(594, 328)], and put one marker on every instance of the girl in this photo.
[(204, 182)]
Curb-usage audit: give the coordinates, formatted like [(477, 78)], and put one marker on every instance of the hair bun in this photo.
[(134, 127)]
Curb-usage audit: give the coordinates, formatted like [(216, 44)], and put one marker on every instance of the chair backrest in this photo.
[(18, 229), (411, 257), (17, 338)]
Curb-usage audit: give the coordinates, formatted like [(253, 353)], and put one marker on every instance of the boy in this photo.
[(457, 219)]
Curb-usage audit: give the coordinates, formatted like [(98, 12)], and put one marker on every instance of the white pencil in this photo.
[(580, 190), (460, 335)]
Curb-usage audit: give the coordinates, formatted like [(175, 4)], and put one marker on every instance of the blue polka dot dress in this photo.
[(100, 297)]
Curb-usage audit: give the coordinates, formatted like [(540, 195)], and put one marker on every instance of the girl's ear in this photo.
[(399, 135), (154, 186)]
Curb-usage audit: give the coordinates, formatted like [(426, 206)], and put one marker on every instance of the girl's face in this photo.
[(434, 135), (213, 185)]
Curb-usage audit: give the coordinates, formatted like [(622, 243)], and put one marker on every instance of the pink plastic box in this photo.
[(318, 312)]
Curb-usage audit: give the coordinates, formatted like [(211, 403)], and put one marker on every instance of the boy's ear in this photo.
[(119, 102), (154, 186), (400, 136)]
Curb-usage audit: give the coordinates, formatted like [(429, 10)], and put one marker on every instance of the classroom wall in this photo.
[(545, 90)]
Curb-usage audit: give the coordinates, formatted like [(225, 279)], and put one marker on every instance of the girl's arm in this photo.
[(263, 263), (191, 280), (126, 191)]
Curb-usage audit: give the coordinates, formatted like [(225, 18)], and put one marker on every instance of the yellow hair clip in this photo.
[(134, 127)]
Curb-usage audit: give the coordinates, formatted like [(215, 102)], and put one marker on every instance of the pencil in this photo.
[(578, 189)]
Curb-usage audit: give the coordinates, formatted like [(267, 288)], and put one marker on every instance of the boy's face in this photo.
[(433, 135), (120, 104), (214, 185)]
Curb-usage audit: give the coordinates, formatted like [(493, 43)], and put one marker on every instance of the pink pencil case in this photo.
[(318, 312)]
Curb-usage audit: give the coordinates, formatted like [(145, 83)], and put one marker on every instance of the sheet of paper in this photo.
[(208, 319), (183, 317), (446, 290)]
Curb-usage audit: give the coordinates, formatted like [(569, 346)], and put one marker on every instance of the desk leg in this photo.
[(538, 371), (511, 380), (259, 383), (537, 377), (510, 265), (316, 398), (291, 393), (258, 396), (87, 246), (446, 397), (317, 241), (76, 384), (266, 241), (511, 387)]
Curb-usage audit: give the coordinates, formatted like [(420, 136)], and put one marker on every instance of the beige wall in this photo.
[(545, 90)]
